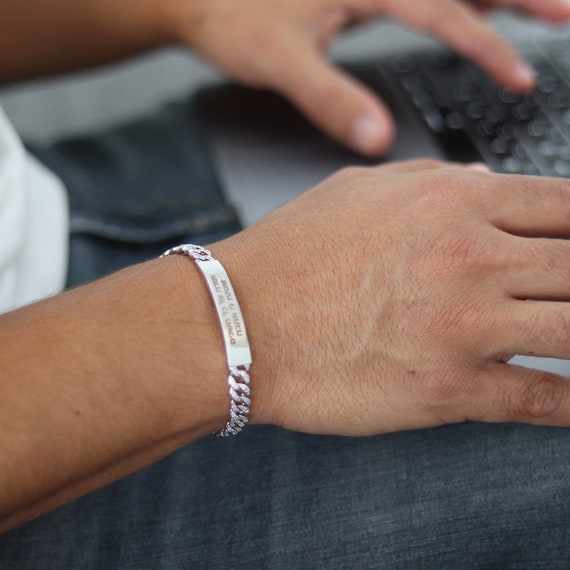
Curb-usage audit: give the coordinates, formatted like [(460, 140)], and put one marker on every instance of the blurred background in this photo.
[(77, 103)]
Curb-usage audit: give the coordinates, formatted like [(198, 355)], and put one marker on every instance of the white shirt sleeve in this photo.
[(33, 225)]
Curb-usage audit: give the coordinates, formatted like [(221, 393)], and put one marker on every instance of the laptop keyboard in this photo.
[(473, 119)]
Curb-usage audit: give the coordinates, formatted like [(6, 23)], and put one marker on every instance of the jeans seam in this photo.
[(202, 221)]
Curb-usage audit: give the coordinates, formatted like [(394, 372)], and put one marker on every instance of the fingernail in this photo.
[(524, 73), (367, 134)]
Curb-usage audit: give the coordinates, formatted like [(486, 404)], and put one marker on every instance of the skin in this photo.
[(278, 45), (282, 47), (388, 299), (405, 268)]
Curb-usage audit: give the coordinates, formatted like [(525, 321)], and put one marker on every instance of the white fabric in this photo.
[(33, 225)]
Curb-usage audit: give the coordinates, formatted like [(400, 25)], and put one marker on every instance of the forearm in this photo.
[(41, 38), (103, 380)]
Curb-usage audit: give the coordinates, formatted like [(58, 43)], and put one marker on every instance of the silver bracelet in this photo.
[(233, 329)]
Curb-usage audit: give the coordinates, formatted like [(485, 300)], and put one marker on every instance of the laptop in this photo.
[(266, 153)]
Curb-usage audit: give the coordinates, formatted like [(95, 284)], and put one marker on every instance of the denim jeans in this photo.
[(456, 497), (138, 188)]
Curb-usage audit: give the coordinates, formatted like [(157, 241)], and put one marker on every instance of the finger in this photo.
[(551, 10), (527, 205), (536, 328), (510, 393), (483, 6), (459, 26), (338, 104), (540, 269)]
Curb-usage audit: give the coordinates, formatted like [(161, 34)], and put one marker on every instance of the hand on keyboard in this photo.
[(473, 119), (280, 45)]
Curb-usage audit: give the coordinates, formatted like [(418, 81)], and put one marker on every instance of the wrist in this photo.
[(234, 333), (244, 269), (163, 339), (197, 387)]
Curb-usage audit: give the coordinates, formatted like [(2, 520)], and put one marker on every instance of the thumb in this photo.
[(335, 102)]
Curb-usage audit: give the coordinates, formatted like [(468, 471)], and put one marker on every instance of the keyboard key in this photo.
[(523, 111), (560, 100), (495, 113), (434, 121), (500, 146), (547, 149), (455, 121), (518, 150), (465, 92), (508, 97), (513, 165), (554, 135), (506, 132), (422, 101), (538, 129), (548, 84), (411, 83), (475, 110), (531, 169), (562, 168), (564, 152), (486, 129)]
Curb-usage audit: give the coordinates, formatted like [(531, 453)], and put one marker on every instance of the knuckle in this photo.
[(537, 399), (445, 186), (426, 16), (459, 247), (462, 254), (349, 174), (427, 163), (353, 171)]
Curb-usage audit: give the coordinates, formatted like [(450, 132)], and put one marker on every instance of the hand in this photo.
[(391, 298), (280, 44)]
